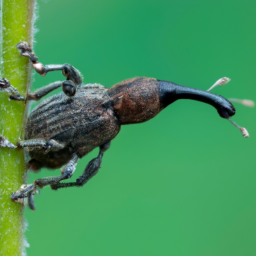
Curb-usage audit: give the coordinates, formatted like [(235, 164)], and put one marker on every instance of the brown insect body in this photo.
[(67, 126), (89, 119), (81, 123), (94, 116)]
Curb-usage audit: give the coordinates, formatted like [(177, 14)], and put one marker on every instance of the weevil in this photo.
[(67, 126)]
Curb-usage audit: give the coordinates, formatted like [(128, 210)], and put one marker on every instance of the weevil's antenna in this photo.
[(245, 102), (248, 103), (243, 130), (220, 82)]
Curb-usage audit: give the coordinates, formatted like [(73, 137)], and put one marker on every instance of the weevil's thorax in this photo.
[(135, 100), (82, 122)]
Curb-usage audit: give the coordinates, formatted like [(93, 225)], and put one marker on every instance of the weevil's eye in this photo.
[(69, 88)]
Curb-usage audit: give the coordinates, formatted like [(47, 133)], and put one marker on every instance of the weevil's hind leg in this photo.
[(66, 173), (28, 191), (25, 191), (67, 70), (91, 169)]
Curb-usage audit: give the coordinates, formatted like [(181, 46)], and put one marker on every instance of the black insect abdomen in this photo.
[(81, 123)]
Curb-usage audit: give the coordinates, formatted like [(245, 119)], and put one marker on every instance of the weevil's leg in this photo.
[(68, 87), (38, 94), (91, 169), (51, 145), (25, 191), (28, 191), (66, 173), (67, 70)]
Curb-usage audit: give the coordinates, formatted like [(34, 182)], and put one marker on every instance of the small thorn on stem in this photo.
[(247, 103), (220, 82), (243, 130)]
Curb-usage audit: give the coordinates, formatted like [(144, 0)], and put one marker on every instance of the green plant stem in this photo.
[(16, 25)]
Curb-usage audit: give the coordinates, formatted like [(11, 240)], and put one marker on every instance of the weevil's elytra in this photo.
[(67, 126), (80, 123)]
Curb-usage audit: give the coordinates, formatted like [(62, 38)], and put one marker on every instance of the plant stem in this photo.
[(16, 25)]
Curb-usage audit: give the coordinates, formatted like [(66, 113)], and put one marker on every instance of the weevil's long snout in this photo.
[(170, 92)]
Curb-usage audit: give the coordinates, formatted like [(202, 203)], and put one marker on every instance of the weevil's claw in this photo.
[(26, 50), (4, 143), (4, 83), (27, 191), (23, 192)]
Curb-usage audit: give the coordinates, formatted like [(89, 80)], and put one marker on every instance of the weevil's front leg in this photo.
[(66, 173), (68, 87), (6, 86), (67, 70), (91, 169)]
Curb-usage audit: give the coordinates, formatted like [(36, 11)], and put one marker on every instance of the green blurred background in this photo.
[(181, 184)]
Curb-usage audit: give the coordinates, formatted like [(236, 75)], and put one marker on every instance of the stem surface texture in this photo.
[(16, 25)]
